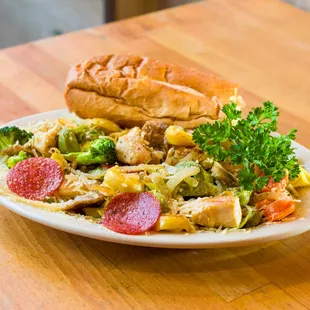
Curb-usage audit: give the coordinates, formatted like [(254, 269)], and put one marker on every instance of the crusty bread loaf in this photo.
[(131, 90)]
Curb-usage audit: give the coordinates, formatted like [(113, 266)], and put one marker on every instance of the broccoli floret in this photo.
[(101, 151), (10, 135), (73, 140), (14, 160), (199, 185)]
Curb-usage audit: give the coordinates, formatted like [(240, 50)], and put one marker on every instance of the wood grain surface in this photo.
[(263, 45)]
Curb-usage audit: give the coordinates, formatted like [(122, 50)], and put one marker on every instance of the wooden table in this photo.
[(265, 46)]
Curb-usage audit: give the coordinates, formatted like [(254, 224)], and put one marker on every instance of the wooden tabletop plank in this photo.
[(9, 101), (79, 46), (230, 54), (267, 297), (31, 88), (250, 42), (283, 267), (43, 64)]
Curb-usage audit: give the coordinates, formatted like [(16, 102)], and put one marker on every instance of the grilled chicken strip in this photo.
[(222, 211), (132, 149)]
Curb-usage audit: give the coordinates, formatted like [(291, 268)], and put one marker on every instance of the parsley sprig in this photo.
[(248, 142)]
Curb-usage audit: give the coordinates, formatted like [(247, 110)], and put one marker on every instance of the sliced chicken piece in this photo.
[(132, 149), (45, 136), (222, 211)]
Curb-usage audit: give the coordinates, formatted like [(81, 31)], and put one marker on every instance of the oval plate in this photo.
[(80, 226)]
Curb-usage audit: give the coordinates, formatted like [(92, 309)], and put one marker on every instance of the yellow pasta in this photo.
[(174, 223), (60, 160), (105, 124), (303, 178), (176, 135), (106, 191), (122, 182)]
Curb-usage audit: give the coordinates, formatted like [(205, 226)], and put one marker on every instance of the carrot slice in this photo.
[(263, 203), (275, 186), (279, 210)]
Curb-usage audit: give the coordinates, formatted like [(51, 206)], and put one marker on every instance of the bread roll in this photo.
[(131, 90)]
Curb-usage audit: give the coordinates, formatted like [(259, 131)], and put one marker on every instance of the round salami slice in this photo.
[(35, 178), (131, 213)]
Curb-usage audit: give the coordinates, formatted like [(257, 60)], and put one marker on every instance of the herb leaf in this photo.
[(248, 142)]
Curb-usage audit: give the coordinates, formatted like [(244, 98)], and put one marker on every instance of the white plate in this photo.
[(200, 240)]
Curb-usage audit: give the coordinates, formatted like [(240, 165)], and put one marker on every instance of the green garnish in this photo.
[(248, 142), (11, 135), (14, 160), (100, 151)]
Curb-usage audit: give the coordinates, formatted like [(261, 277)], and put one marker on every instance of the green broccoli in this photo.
[(201, 184), (14, 160), (72, 140), (10, 135), (100, 151)]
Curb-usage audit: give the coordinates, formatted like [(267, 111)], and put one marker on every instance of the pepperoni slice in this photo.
[(35, 178), (131, 213)]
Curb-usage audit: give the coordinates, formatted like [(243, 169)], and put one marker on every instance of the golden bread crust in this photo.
[(131, 90)]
